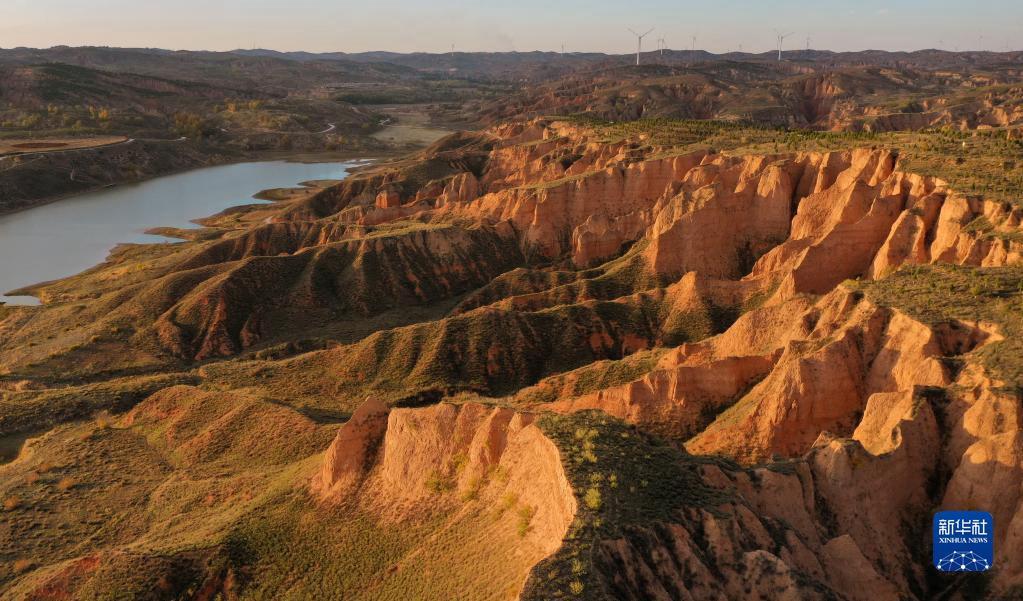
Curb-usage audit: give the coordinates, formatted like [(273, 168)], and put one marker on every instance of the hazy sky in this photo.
[(477, 25)]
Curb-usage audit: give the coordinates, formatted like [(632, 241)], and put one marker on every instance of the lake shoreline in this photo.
[(410, 120), (58, 240), (281, 155)]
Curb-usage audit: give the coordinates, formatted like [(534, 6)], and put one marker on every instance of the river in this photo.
[(62, 238)]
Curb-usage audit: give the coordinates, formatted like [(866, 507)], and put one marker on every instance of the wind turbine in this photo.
[(661, 45), (781, 40), (639, 42), (807, 43), (694, 43)]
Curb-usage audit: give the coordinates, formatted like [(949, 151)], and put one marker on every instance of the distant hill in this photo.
[(247, 67), (39, 85), (820, 90), (220, 68), (520, 63)]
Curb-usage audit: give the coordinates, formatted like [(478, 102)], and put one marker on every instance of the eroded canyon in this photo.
[(535, 361)]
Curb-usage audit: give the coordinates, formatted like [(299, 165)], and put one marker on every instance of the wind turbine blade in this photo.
[(633, 32), (649, 30)]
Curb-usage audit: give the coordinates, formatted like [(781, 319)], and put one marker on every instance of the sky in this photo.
[(505, 25)]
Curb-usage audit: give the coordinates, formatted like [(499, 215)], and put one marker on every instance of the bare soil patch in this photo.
[(410, 126), (15, 146), (37, 145)]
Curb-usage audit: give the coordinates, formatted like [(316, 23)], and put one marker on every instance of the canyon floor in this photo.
[(558, 357)]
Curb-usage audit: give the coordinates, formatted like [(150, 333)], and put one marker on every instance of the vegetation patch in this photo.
[(593, 377), (622, 478), (945, 294), (35, 409)]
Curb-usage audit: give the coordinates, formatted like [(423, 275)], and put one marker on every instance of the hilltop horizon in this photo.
[(566, 52)]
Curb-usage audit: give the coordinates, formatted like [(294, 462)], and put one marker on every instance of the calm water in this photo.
[(65, 237)]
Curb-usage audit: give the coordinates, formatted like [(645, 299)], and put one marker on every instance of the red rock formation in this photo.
[(428, 458), (353, 450), (803, 222), (676, 401), (388, 198)]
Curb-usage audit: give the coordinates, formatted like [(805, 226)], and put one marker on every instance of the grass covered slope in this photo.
[(142, 503), (989, 298)]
